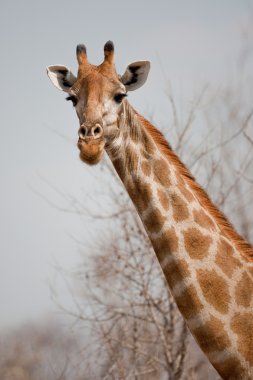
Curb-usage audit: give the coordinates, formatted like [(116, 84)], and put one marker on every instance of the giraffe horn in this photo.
[(109, 52), (81, 54)]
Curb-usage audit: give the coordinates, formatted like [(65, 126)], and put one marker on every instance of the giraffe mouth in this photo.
[(91, 150)]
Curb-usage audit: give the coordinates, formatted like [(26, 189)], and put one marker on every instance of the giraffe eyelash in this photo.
[(73, 99), (119, 97)]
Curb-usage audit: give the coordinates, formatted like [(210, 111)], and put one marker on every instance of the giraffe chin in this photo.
[(91, 152)]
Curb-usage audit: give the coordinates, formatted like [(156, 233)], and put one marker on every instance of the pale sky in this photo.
[(188, 43)]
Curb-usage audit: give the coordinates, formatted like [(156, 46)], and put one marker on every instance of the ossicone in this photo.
[(109, 52), (81, 54)]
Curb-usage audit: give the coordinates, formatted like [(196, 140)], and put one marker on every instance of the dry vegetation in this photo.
[(41, 352)]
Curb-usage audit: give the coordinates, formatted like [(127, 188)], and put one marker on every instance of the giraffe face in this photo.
[(98, 95), (98, 100)]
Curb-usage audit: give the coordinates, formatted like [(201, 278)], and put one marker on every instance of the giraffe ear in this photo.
[(61, 77), (135, 75)]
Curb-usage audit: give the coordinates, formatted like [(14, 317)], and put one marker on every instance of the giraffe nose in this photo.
[(90, 132)]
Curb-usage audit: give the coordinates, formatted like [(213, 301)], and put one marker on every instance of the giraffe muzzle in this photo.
[(91, 143)]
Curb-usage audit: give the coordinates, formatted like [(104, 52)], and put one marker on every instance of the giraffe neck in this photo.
[(207, 265)]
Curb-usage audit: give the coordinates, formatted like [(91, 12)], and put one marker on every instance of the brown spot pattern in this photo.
[(146, 169), (180, 210), (231, 368), (185, 192), (212, 336), (189, 303), (131, 158), (163, 198), (225, 259), (154, 221), (180, 180), (242, 325), (149, 145), (140, 193), (166, 244), (196, 244), (176, 271), (119, 167), (244, 291), (202, 219), (214, 289), (162, 172)]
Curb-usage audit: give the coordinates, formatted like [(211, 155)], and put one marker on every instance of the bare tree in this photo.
[(38, 352)]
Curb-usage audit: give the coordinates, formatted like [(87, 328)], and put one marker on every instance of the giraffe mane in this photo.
[(228, 229)]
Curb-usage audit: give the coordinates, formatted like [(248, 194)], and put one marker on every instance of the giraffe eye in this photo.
[(73, 99), (119, 97)]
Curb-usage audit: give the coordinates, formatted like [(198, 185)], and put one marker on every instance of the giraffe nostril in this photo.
[(97, 131), (82, 132), (88, 132)]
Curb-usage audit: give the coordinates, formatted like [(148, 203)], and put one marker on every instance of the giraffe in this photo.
[(207, 264)]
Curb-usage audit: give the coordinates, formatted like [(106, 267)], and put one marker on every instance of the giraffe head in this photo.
[(98, 95)]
